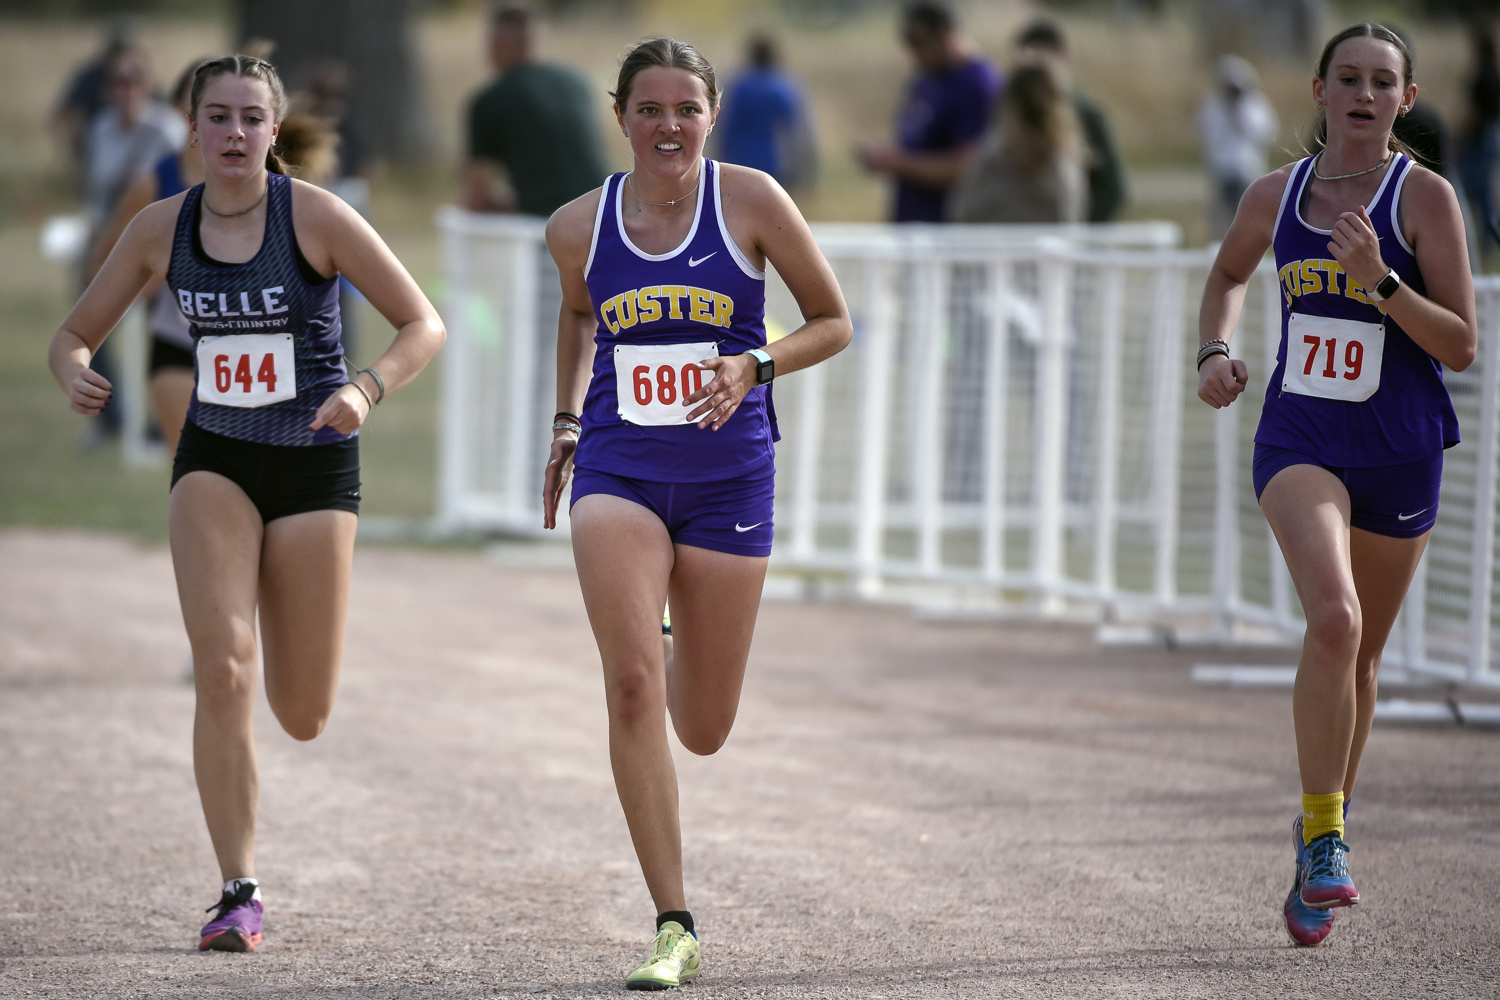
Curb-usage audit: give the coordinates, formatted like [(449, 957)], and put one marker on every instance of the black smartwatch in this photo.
[(765, 367), (1386, 287)]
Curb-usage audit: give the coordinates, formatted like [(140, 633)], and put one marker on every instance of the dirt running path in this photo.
[(904, 809)]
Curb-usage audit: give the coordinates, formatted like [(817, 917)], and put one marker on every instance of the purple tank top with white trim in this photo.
[(266, 294), (704, 290), (1409, 416)]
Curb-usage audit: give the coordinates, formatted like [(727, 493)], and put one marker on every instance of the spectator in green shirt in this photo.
[(1043, 39), (533, 144)]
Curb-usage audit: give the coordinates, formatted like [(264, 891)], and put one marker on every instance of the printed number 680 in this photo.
[(665, 387)]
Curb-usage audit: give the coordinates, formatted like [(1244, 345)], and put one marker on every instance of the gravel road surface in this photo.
[(905, 809)]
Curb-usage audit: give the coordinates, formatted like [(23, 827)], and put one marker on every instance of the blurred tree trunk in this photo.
[(1262, 29), (373, 39)]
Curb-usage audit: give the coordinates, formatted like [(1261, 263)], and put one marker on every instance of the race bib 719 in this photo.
[(1333, 358), (247, 369), (652, 380)]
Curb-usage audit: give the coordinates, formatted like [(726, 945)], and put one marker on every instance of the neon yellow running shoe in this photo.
[(674, 960)]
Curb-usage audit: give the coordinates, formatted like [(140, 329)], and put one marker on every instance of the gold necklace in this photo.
[(1344, 177), (663, 204)]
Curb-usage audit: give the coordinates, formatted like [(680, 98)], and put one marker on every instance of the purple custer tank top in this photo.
[(266, 294), (1410, 416), (704, 290)]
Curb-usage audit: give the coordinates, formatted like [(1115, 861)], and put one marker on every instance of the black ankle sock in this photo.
[(683, 917)]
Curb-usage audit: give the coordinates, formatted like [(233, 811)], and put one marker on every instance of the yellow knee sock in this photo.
[(1322, 814)]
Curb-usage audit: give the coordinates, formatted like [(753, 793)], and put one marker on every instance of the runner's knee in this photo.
[(303, 722), (635, 692), (224, 674), (701, 738), (1333, 625)]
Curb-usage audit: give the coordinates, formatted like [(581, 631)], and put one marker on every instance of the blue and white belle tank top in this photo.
[(271, 297), (1350, 388), (168, 324), (703, 292)]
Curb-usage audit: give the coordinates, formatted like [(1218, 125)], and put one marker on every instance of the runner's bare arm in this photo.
[(759, 212), (336, 239), (1221, 380), (1443, 322), (142, 251), (570, 232)]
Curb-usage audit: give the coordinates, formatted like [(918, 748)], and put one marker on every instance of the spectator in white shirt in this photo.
[(1237, 125)]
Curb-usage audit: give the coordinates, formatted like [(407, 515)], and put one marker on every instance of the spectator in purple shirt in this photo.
[(947, 109)]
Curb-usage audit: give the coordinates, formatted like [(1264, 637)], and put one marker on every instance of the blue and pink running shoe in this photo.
[(236, 927), (1304, 925), (1325, 874)]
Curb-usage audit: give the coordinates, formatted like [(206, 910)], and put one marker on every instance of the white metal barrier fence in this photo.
[(1016, 420)]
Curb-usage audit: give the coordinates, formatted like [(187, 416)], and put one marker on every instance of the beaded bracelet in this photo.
[(565, 425), (1209, 351)]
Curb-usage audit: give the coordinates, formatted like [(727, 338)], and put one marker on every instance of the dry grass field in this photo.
[(1148, 76)]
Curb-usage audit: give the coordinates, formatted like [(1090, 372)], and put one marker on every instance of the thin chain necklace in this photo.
[(663, 204), (230, 215), (1344, 177)]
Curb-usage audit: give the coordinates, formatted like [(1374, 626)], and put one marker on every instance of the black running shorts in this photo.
[(280, 480)]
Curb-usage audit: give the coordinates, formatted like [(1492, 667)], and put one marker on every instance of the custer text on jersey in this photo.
[(657, 302)]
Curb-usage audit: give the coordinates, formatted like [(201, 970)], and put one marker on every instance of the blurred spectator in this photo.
[(1421, 128), (1482, 137), (1237, 125), (130, 133), (83, 96), (347, 175), (947, 109), (1044, 39), (1030, 167), (765, 122), (535, 122), (327, 97)]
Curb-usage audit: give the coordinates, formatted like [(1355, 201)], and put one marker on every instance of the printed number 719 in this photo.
[(1354, 357)]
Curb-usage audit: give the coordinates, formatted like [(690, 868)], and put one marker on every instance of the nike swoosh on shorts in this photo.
[(694, 262), (1408, 517), (747, 527)]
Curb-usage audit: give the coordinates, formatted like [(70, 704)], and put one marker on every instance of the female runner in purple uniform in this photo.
[(265, 486), (1376, 294), (662, 269)]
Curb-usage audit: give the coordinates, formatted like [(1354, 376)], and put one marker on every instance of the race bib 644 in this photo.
[(247, 369)]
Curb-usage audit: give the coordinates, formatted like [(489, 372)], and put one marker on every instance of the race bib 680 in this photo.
[(247, 369), (652, 380), (1333, 358)]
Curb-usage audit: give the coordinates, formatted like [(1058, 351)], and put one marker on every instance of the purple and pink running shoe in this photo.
[(1325, 874), (236, 927), (1304, 925)]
